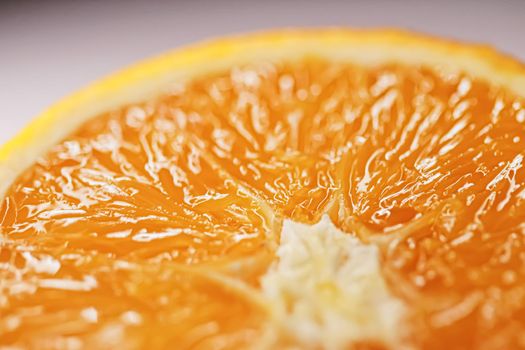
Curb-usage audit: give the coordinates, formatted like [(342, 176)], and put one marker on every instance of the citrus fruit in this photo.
[(313, 189)]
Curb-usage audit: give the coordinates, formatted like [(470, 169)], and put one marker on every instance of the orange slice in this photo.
[(327, 189)]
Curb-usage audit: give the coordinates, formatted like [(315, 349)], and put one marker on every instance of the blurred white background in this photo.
[(51, 48)]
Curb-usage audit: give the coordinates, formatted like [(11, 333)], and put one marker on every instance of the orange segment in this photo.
[(433, 139), (158, 224), (440, 178), (134, 185), (97, 301), (262, 124)]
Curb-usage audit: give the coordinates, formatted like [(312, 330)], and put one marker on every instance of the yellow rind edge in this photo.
[(152, 76)]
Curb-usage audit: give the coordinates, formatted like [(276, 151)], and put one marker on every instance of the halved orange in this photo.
[(313, 189)]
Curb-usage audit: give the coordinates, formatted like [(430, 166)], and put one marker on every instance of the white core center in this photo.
[(326, 289)]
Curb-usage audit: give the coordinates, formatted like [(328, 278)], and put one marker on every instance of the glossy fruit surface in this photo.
[(158, 223)]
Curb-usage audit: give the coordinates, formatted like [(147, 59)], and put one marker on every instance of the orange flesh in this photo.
[(150, 208)]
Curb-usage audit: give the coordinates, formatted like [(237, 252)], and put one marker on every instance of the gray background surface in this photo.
[(51, 48)]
